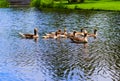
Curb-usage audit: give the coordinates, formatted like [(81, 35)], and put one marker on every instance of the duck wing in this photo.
[(26, 35)]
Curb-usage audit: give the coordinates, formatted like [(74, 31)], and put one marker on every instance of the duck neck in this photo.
[(95, 32), (35, 32), (85, 37), (56, 33), (74, 33), (85, 31), (82, 30)]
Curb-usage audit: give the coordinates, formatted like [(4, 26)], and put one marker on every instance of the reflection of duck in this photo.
[(30, 36), (79, 40), (93, 34)]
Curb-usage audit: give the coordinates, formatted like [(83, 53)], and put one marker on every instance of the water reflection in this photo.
[(59, 60)]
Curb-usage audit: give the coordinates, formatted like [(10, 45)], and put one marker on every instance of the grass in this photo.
[(88, 4), (3, 3), (42, 3), (92, 5)]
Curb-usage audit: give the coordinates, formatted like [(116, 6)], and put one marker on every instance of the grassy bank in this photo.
[(88, 4), (92, 5), (42, 3), (4, 3)]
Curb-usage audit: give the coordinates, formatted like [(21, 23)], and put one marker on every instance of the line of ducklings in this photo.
[(75, 36)]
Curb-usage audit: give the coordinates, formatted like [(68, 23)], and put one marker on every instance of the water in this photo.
[(58, 60)]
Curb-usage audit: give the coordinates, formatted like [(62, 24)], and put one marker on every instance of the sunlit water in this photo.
[(58, 60)]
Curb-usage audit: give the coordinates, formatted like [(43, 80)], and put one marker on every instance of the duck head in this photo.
[(56, 33), (59, 30)]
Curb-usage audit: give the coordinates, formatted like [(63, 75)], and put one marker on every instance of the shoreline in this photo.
[(88, 5), (94, 6)]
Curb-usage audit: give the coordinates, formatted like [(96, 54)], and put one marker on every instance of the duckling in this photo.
[(80, 33), (85, 31), (52, 33), (59, 31), (65, 31), (93, 34), (79, 40), (51, 36), (63, 34), (30, 36), (69, 35)]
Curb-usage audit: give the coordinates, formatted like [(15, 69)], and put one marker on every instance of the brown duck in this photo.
[(78, 39), (30, 36), (93, 34)]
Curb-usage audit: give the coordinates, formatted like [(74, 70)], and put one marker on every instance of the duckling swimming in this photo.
[(51, 36), (93, 34), (80, 33)]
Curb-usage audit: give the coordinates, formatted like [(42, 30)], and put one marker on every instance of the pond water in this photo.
[(58, 60)]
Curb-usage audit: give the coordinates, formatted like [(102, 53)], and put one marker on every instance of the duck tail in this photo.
[(45, 37), (21, 34)]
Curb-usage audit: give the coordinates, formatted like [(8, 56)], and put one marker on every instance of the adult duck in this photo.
[(78, 39), (30, 36)]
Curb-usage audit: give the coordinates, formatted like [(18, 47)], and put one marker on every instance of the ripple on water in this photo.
[(59, 60)]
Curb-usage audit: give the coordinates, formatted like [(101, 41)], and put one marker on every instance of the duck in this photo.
[(59, 31), (51, 36), (65, 31), (63, 34), (80, 33), (30, 36), (93, 34), (85, 31), (78, 39), (71, 34)]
